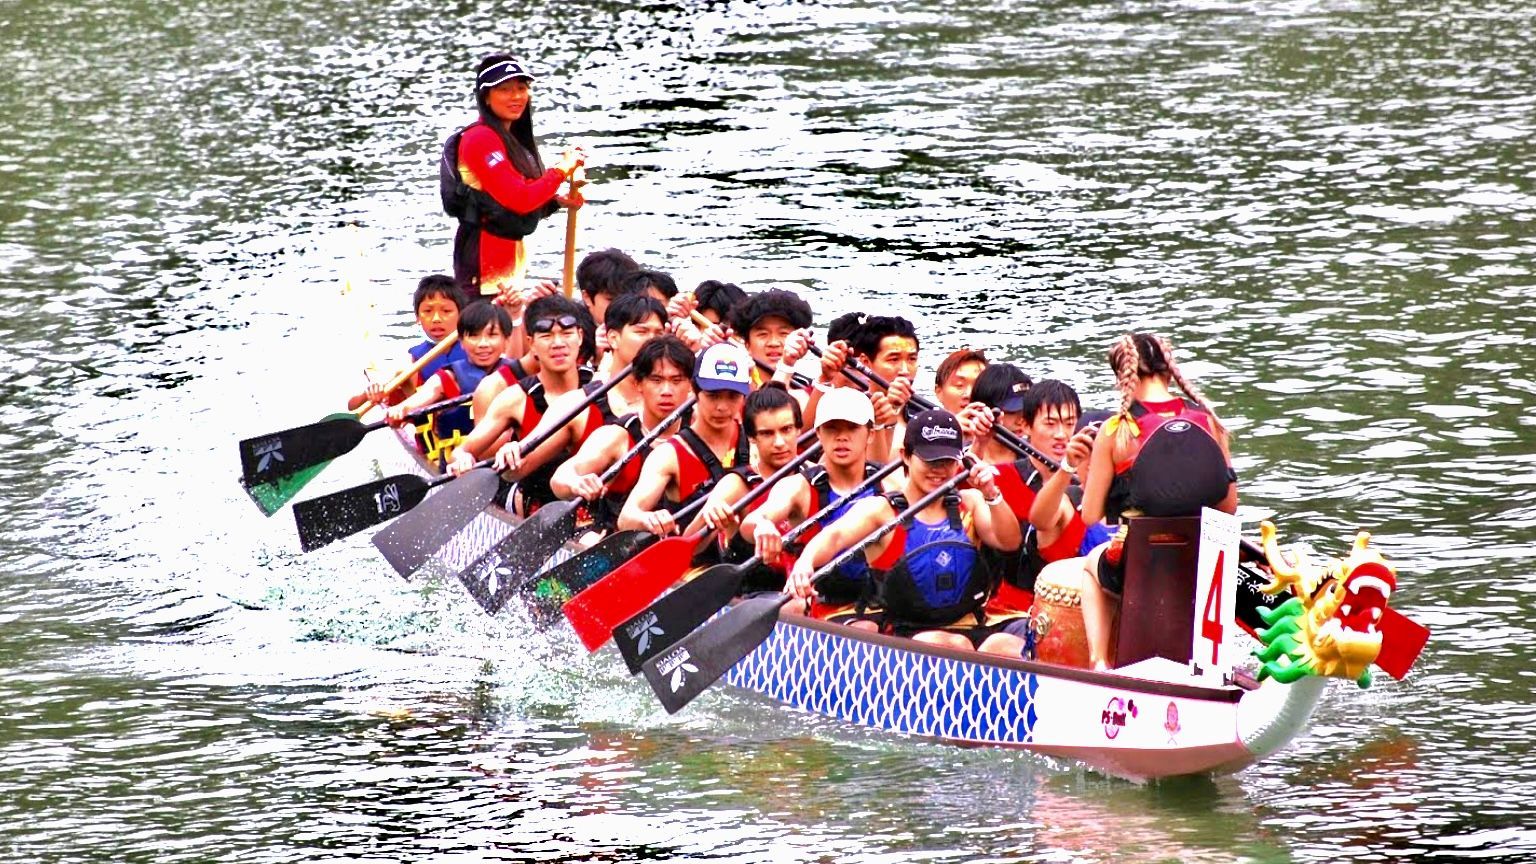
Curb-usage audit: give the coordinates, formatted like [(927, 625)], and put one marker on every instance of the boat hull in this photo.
[(1119, 723)]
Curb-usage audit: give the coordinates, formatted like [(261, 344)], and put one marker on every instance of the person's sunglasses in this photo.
[(547, 325)]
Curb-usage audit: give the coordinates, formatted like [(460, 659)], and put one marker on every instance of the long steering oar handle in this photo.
[(678, 675), (616, 598), (577, 179), (659, 625)]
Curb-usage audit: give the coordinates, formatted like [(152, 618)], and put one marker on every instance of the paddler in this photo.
[(1162, 455), (932, 583)]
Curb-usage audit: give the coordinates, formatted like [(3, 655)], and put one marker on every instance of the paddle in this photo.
[(341, 514), (303, 446), (616, 597), (413, 539), (270, 495), (492, 577), (680, 674), (545, 593), (697, 600)]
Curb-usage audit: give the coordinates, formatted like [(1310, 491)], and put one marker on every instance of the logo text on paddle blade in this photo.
[(678, 665), (270, 450)]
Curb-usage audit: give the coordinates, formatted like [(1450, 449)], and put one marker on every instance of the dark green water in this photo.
[(1327, 205)]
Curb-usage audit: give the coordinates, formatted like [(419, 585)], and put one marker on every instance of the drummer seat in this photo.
[(1157, 608)]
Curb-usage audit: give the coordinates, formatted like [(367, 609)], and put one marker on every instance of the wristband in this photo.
[(994, 500), (783, 369), (1068, 467), (885, 428), (824, 386)]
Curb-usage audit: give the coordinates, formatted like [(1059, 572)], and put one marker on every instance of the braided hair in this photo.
[(1135, 356)]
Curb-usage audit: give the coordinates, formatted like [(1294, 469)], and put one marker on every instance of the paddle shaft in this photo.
[(649, 631), (690, 666), (442, 347), (613, 470), (811, 521)]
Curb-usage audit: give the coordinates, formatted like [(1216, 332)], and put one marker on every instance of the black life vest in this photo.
[(476, 207), (1176, 469), (850, 582)]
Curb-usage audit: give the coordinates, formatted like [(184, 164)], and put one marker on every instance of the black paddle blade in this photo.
[(494, 577), (340, 514), (269, 457), (661, 624), (546, 594), (679, 674), (412, 540)]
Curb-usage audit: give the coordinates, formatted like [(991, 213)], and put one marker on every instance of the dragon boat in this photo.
[(1160, 713)]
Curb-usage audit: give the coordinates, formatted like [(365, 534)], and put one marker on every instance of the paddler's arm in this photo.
[(1101, 471), (995, 522), (726, 492), (579, 475), (481, 440), (782, 503), (639, 512), (521, 466), (1052, 510), (429, 392), (862, 519)]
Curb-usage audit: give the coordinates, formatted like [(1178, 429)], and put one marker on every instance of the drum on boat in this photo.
[(1057, 614)]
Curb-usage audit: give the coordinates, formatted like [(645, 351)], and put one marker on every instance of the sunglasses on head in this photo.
[(547, 325)]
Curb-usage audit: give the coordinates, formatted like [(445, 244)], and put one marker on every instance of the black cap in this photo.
[(500, 73), (1095, 416), (1002, 386), (933, 435)]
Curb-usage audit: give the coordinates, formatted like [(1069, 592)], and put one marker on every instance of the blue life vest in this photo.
[(941, 576), (466, 376), (849, 582), (420, 350)]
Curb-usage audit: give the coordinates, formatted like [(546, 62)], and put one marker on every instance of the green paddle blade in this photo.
[(546, 593), (676, 614), (271, 496), (679, 674), (340, 514)]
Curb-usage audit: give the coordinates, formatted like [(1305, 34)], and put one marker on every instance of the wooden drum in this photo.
[(1057, 615)]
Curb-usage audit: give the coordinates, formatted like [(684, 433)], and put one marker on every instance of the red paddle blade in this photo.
[(1402, 638), (619, 596)]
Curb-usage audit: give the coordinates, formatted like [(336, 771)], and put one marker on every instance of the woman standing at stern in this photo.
[(495, 183)]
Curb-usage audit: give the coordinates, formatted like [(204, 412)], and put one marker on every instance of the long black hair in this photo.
[(518, 140)]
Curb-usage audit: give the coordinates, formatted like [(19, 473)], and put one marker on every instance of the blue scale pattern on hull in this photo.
[(888, 688)]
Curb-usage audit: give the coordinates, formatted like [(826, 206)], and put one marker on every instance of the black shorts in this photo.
[(1111, 576)]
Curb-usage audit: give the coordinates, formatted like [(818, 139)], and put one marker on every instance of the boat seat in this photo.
[(1157, 608)]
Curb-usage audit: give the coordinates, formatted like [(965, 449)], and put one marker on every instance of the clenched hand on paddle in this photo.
[(275, 467), (659, 625), (618, 596)]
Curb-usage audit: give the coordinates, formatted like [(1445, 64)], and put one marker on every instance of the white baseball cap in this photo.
[(847, 404)]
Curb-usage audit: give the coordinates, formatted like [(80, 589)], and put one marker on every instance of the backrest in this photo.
[(1157, 608)]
